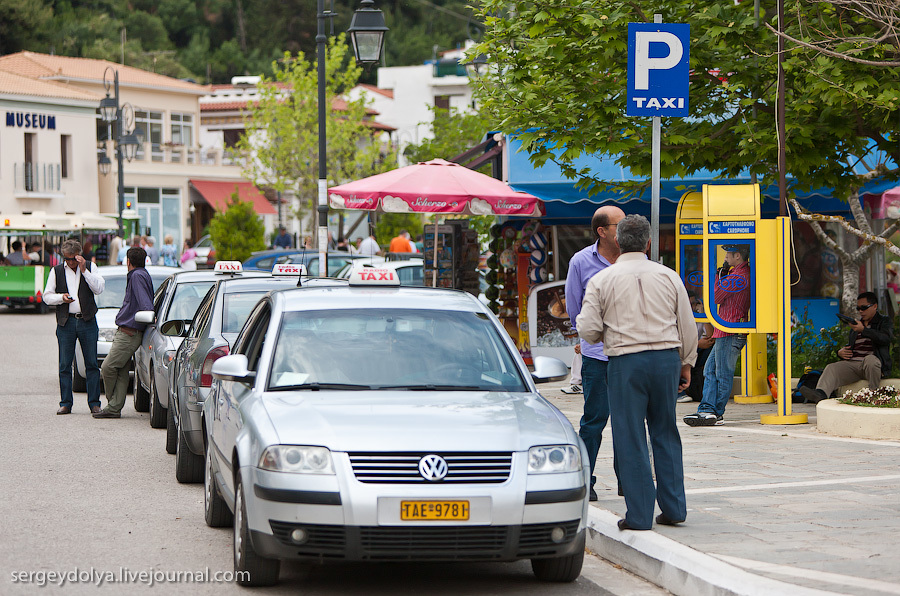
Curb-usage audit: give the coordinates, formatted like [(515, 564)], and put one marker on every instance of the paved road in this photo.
[(82, 494)]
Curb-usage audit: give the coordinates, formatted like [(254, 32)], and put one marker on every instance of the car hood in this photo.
[(416, 421), (106, 318)]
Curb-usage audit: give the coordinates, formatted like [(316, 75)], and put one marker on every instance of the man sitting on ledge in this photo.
[(866, 356)]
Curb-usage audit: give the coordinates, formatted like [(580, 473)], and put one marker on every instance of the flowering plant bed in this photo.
[(883, 397)]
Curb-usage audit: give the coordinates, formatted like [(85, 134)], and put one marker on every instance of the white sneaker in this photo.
[(685, 399), (572, 389)]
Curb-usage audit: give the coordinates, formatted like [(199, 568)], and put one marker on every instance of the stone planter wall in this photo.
[(857, 421)]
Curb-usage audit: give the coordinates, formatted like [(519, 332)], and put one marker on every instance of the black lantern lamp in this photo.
[(367, 31)]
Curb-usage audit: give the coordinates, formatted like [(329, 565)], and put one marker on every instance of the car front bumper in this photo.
[(346, 519)]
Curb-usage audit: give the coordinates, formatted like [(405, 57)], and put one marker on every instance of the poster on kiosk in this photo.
[(737, 264)]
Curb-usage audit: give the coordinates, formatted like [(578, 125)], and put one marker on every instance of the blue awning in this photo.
[(566, 204)]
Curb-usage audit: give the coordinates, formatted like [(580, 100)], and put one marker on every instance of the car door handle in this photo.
[(222, 401)]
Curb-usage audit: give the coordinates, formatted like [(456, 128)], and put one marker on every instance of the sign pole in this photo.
[(654, 181)]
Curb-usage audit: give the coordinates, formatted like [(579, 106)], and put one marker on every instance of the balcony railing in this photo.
[(37, 176)]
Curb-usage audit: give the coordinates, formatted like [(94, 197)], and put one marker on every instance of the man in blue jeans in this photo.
[(71, 287), (731, 292), (582, 267)]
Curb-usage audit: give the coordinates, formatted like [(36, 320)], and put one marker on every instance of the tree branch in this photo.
[(815, 218), (831, 52)]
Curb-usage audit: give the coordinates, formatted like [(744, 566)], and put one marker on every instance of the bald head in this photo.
[(604, 217)]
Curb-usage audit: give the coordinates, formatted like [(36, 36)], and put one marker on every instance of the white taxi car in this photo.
[(374, 422)]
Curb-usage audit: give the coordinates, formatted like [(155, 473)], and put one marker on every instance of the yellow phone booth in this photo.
[(728, 216)]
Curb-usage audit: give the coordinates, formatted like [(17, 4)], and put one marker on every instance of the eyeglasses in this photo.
[(862, 308), (70, 258), (611, 225)]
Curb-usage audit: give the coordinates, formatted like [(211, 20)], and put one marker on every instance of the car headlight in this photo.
[(107, 334), (297, 459), (552, 459)]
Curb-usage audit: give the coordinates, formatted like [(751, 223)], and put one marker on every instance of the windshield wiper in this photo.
[(319, 386), (431, 387)]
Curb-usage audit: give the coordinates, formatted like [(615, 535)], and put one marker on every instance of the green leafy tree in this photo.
[(560, 76), (21, 21), (283, 128), (237, 232)]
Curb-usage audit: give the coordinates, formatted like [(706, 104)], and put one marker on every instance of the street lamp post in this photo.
[(128, 137), (366, 31)]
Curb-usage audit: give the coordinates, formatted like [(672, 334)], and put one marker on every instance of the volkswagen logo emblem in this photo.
[(433, 467)]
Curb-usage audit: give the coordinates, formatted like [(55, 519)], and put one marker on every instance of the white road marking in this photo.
[(812, 574), (730, 489)]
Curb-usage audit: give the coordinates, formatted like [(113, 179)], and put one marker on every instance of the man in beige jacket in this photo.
[(641, 312)]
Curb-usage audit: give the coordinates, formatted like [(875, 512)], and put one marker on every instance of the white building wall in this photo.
[(46, 190)]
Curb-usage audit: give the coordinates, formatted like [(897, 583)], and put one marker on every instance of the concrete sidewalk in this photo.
[(771, 509)]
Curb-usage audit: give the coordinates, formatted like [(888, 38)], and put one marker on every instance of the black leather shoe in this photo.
[(63, 411), (593, 496), (664, 519), (812, 396), (623, 525), (106, 414), (95, 409)]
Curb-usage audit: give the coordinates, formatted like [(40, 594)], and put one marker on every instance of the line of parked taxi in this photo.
[(359, 420)]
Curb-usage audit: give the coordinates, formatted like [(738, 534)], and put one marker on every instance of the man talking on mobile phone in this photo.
[(866, 356), (71, 287)]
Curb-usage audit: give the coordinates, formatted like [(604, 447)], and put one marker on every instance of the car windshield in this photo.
[(237, 307), (114, 292), (187, 300), (392, 349)]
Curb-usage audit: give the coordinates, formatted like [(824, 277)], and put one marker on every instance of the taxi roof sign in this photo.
[(228, 267), (289, 269), (374, 276)]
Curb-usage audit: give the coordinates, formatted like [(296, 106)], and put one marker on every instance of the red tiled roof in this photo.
[(46, 66), (379, 90), (16, 84), (218, 193)]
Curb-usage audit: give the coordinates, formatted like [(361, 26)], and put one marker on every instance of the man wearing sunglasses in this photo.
[(71, 287), (866, 356)]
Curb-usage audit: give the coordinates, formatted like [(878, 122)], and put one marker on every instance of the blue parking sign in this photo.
[(658, 69)]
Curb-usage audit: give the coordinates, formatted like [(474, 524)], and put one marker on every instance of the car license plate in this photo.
[(434, 510)]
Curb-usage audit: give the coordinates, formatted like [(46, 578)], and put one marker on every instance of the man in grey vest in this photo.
[(71, 287)]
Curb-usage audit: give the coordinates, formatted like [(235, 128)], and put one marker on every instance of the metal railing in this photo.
[(37, 176)]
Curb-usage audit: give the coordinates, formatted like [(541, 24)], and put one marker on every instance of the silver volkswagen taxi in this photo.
[(373, 422)]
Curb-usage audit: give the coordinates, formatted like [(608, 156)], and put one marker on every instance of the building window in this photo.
[(152, 123), (65, 152), (442, 102), (182, 129), (30, 166)]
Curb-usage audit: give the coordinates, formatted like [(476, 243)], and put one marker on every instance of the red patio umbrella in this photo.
[(435, 186)]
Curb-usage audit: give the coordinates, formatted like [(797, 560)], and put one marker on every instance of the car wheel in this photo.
[(157, 412), (560, 569), (141, 395), (171, 430), (250, 569), (188, 466), (79, 383), (215, 509)]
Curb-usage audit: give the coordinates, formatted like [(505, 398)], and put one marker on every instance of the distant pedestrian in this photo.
[(369, 247), (71, 287), (115, 245), (87, 251), (126, 341), (188, 254), (642, 313), (152, 250), (283, 239), (400, 243), (168, 252), (583, 265), (17, 256), (101, 256)]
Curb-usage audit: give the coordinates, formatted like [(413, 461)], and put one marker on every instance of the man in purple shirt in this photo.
[(584, 264), (138, 296)]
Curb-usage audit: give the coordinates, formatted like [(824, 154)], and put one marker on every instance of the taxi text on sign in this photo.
[(658, 69)]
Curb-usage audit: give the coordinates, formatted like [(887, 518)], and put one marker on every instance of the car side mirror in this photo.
[(548, 369), (174, 328), (147, 317), (233, 367)]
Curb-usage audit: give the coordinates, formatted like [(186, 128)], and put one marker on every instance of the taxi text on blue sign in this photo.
[(658, 69)]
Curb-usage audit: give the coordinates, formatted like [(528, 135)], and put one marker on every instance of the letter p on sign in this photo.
[(658, 69)]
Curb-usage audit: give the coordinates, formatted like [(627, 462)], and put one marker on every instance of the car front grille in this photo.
[(403, 468), (484, 542)]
